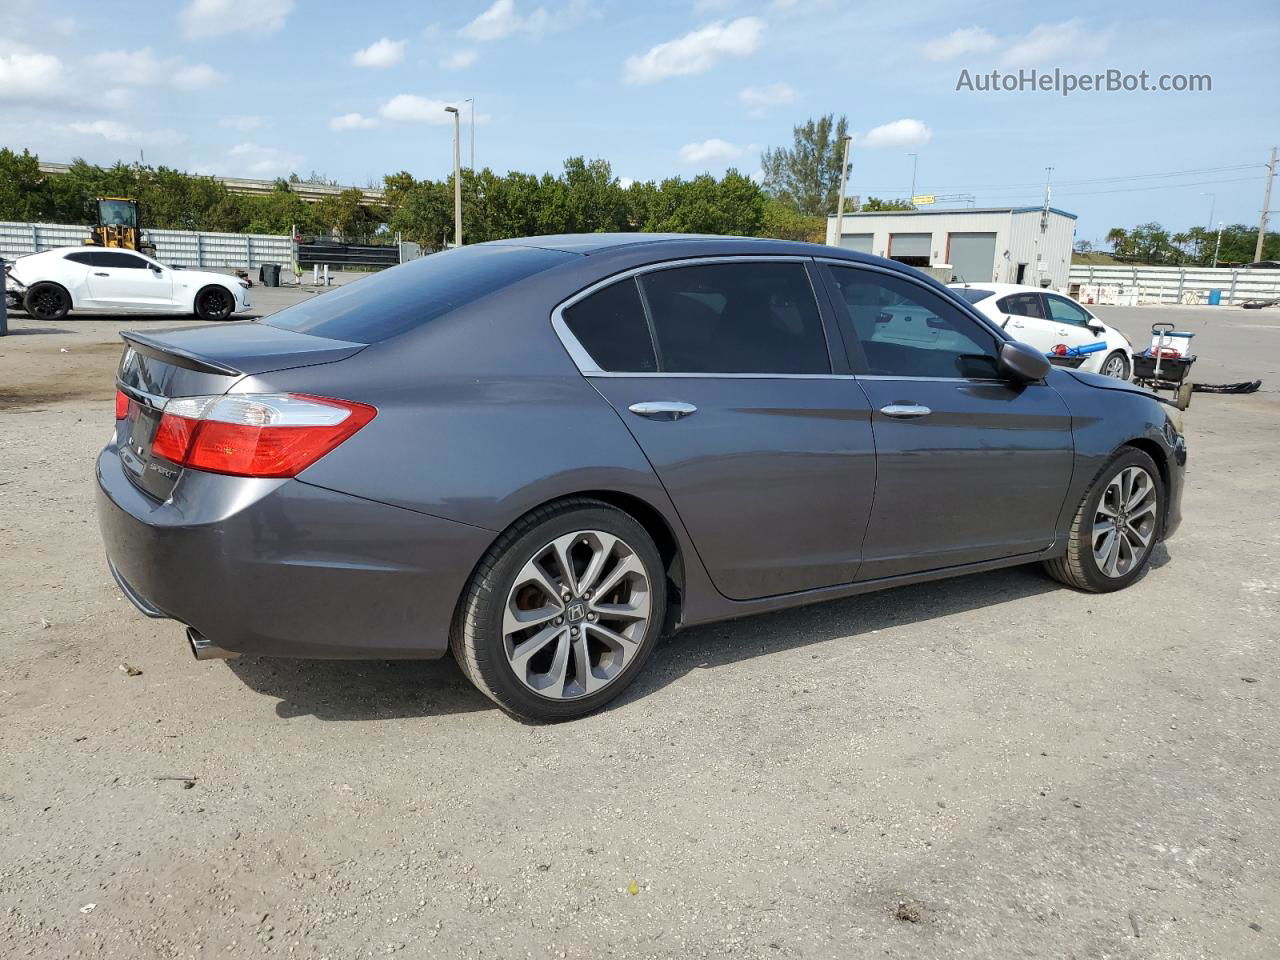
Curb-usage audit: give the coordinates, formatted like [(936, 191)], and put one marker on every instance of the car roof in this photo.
[(589, 244), (1001, 288)]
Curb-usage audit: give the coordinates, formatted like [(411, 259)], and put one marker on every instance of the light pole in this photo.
[(1216, 246), (457, 176), (471, 122), (844, 179), (915, 159), (1213, 202)]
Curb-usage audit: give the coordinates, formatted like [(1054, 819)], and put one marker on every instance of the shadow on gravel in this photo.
[(361, 689), (383, 690)]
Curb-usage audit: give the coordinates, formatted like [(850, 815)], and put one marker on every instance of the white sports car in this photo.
[(48, 285), (1068, 333)]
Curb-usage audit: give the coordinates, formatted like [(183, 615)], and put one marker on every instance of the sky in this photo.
[(263, 88)]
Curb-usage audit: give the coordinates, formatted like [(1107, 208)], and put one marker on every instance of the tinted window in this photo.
[(751, 317), (126, 261), (971, 294), (389, 303), (908, 331), (1023, 305), (85, 258), (1064, 311), (611, 327)]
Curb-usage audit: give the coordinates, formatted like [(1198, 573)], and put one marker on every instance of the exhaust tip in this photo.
[(202, 648)]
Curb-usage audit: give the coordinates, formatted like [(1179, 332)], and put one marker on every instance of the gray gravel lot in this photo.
[(992, 766)]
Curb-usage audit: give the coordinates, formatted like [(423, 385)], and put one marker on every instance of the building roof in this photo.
[(954, 211)]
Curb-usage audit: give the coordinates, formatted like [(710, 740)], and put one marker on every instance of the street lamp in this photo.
[(1216, 245), (1213, 200), (471, 122), (457, 176), (844, 177), (915, 159)]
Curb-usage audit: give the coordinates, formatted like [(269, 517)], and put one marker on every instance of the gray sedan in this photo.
[(542, 454)]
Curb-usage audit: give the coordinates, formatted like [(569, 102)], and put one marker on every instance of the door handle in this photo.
[(662, 409), (1017, 323), (905, 411), (98, 273)]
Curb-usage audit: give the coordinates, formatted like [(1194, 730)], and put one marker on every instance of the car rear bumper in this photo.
[(1177, 476), (284, 568)]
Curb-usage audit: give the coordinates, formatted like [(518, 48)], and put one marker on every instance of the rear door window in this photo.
[(1023, 305), (390, 303), (611, 326), (748, 317)]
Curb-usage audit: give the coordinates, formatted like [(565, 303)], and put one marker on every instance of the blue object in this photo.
[(1215, 297), (1081, 351)]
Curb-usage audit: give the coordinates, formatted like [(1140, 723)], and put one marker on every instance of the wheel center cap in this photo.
[(576, 611)]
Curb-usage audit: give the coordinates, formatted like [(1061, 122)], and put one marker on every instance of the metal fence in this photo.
[(1128, 285), (181, 248)]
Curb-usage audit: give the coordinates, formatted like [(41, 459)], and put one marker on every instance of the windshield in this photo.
[(404, 297), (117, 213), (972, 294)]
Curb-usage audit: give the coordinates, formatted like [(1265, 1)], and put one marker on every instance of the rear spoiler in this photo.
[(178, 358)]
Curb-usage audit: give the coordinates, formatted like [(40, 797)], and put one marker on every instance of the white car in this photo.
[(1068, 333), (50, 284)]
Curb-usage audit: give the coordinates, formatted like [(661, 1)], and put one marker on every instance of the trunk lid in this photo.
[(198, 362)]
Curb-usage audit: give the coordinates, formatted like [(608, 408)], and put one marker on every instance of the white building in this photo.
[(983, 245)]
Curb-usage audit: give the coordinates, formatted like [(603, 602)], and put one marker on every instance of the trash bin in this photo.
[(271, 274), (1215, 297)]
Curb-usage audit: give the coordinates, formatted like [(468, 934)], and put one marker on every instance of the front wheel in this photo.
[(1116, 526), (214, 303), (562, 612), (46, 301), (1116, 365)]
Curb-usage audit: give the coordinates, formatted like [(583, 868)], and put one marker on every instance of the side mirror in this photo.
[(1023, 363), (156, 270), (1097, 329)]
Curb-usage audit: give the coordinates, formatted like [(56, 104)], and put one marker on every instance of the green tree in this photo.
[(349, 215), (24, 192), (807, 175), (784, 222), (875, 205), (1118, 239)]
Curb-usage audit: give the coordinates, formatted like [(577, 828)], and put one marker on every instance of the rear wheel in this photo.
[(214, 303), (47, 301), (1115, 528), (562, 612), (1116, 365)]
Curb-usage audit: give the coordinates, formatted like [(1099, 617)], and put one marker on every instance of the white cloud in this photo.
[(352, 121), (1045, 45), (459, 61), (626, 182), (257, 160), (899, 133), (502, 19), (714, 150), (117, 98), (142, 68), (760, 99), (211, 18), (697, 51), (959, 43), (31, 76), (118, 132), (244, 123), (1050, 42), (410, 108), (380, 55)]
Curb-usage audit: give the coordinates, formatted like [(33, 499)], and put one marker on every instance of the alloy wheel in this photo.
[(576, 615), (1124, 522), (1116, 366)]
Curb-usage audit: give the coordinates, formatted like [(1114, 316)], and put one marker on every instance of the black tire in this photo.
[(477, 640), (1078, 567), (214, 303), (1117, 358), (46, 301)]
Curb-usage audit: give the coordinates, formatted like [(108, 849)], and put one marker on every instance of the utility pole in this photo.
[(915, 159), (1266, 207), (1213, 202), (457, 176), (1217, 245), (471, 122), (844, 179)]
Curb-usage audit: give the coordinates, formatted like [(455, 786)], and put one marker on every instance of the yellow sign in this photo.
[(920, 201)]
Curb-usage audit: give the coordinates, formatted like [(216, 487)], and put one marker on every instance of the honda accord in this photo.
[(542, 454)]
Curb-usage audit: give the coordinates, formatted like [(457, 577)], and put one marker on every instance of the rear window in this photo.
[(971, 294), (390, 303)]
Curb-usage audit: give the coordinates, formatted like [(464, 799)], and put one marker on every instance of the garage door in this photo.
[(910, 248), (860, 242), (972, 256)]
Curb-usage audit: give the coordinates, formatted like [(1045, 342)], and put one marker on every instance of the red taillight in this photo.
[(1059, 350), (122, 405), (278, 435)]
